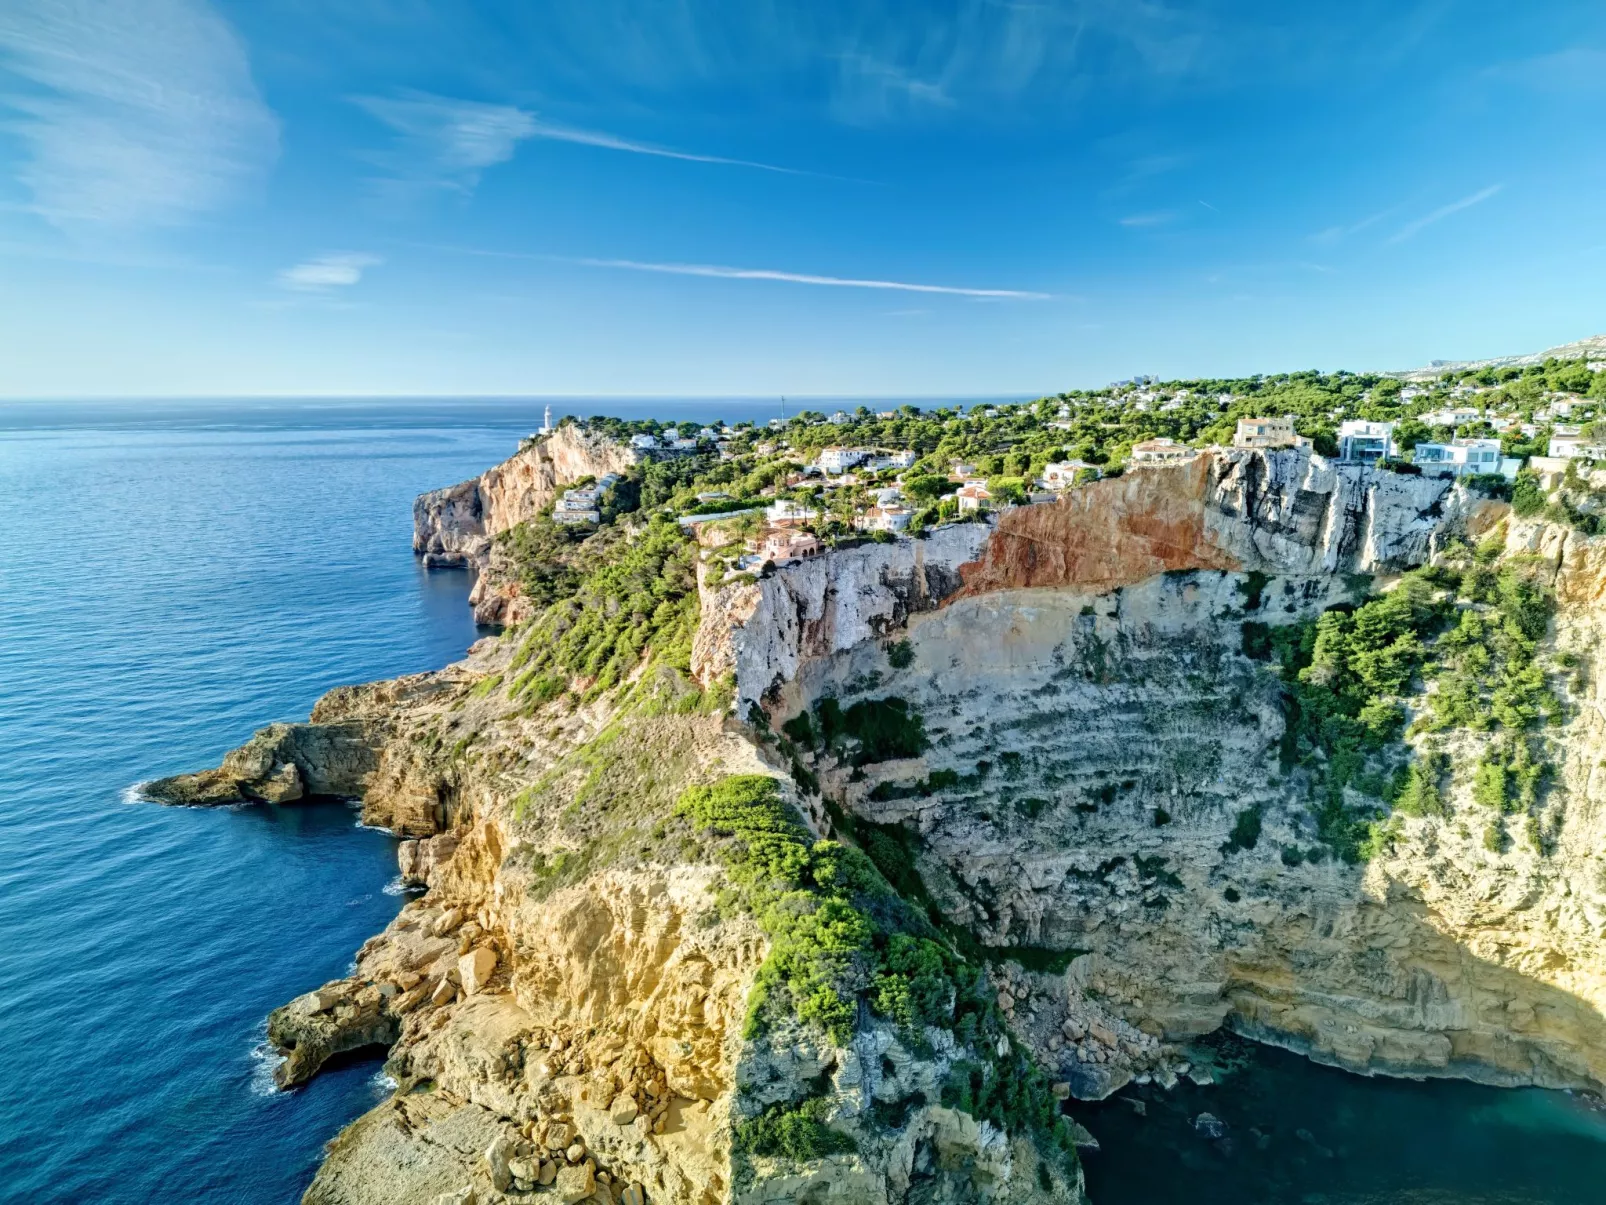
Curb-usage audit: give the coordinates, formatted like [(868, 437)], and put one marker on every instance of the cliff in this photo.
[(456, 527), (585, 996)]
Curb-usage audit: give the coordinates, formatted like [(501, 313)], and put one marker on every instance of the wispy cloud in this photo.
[(325, 273), (723, 272), (446, 143), (1411, 229), (1139, 220), (130, 112), (804, 278), (558, 133), (1335, 234), (449, 143)]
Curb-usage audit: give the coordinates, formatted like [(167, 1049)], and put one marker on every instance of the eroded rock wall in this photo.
[(456, 527), (1097, 733)]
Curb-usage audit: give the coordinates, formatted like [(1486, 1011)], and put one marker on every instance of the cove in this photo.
[(1298, 1133)]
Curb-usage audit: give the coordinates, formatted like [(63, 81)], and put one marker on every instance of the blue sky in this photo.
[(753, 197)]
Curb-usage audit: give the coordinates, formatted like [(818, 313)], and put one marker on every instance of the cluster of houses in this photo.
[(582, 504)]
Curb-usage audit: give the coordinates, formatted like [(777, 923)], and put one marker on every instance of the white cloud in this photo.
[(803, 278), (1410, 229), (130, 112), (327, 272), (1139, 220)]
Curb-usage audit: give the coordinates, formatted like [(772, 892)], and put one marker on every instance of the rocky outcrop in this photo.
[(281, 764), (1281, 512), (765, 633), (456, 527)]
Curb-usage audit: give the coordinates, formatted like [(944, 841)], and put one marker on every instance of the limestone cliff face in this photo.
[(765, 633), (1280, 512), (1086, 694), (457, 526)]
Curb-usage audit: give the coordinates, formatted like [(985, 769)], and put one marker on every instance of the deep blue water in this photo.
[(174, 576), (171, 578)]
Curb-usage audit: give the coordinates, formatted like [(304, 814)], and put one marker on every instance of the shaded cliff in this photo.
[(1105, 770)]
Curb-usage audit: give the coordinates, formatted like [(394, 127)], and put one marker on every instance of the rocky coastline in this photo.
[(566, 1007)]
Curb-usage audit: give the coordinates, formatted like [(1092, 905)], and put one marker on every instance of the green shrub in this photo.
[(1527, 499), (1245, 831), (900, 654), (792, 1131)]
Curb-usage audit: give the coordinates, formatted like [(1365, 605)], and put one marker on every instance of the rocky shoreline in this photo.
[(566, 1006)]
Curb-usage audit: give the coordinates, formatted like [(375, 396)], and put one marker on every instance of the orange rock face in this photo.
[(1105, 534)]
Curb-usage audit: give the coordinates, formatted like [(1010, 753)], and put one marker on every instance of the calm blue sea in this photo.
[(174, 576)]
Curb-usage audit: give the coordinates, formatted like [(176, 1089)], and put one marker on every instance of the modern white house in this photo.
[(890, 517), (1576, 447), (839, 460), (577, 506), (1359, 440), (1452, 416), (1268, 433), (1462, 457), (643, 441)]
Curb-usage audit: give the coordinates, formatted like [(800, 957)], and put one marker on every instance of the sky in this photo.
[(825, 197)]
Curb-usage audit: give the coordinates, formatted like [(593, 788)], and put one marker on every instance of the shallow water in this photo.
[(173, 577)]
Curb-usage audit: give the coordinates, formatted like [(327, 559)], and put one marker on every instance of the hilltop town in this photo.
[(759, 495)]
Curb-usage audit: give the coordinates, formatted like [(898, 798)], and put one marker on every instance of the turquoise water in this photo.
[(174, 576)]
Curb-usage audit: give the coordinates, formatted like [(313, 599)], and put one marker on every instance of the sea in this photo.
[(173, 575)]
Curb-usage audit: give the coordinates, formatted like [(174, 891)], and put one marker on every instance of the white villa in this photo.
[(1359, 440), (1463, 457)]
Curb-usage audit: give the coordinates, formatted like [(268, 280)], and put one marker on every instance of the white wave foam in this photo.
[(267, 1060), (135, 793), (383, 1084), (397, 886)]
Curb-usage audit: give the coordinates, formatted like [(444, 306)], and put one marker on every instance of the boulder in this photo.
[(574, 1183), (446, 922), (1080, 1137), (1210, 1125), (633, 1195), (475, 968), (461, 1196), (498, 1157), (623, 1110)]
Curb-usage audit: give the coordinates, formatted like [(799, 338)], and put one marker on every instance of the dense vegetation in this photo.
[(629, 592), (842, 939), (1468, 627)]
